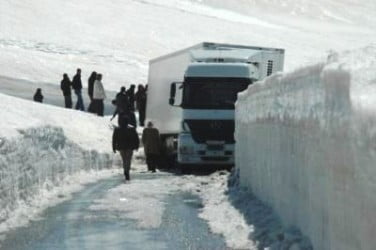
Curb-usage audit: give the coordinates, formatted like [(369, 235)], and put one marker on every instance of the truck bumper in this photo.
[(192, 153)]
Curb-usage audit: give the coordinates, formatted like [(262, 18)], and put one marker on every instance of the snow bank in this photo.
[(42, 146), (306, 145)]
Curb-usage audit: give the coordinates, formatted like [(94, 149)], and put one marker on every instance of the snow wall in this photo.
[(43, 146), (39, 159), (306, 145)]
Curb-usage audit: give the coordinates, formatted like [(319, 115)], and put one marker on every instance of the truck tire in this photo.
[(185, 169)]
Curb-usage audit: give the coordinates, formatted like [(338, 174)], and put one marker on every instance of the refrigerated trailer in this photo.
[(191, 96)]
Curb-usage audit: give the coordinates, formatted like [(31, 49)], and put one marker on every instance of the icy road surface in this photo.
[(74, 224)]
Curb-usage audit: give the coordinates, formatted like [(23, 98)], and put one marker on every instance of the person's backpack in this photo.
[(122, 103)]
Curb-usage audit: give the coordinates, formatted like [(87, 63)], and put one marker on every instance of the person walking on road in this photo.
[(38, 97), (125, 140), (151, 141), (77, 86), (141, 104), (90, 89), (65, 86), (98, 96)]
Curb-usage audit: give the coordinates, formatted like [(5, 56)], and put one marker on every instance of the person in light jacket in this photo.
[(98, 96), (151, 141), (125, 140)]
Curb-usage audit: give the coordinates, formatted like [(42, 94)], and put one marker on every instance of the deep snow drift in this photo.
[(42, 147), (306, 146), (43, 39)]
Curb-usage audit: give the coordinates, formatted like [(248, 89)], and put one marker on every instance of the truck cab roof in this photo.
[(224, 70)]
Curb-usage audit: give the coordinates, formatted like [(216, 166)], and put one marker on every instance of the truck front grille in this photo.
[(212, 130), (215, 158)]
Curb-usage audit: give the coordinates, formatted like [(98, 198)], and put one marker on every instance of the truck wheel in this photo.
[(185, 169)]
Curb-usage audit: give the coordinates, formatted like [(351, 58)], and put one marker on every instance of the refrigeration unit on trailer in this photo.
[(192, 93)]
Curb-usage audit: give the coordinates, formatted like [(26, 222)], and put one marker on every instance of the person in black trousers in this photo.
[(90, 89), (77, 86), (65, 86), (131, 97), (141, 104), (152, 146), (99, 94), (125, 140)]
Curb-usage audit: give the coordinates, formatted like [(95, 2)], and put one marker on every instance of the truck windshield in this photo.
[(212, 93)]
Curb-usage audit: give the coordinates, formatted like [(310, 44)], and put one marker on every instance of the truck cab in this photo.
[(208, 97)]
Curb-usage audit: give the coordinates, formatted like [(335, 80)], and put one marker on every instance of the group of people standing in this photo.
[(128, 101), (125, 137), (96, 92)]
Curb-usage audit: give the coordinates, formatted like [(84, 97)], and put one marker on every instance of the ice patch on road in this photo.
[(141, 199)]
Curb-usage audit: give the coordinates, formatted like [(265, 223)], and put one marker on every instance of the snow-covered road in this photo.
[(74, 225)]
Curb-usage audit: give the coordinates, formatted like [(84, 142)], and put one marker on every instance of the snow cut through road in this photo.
[(73, 225)]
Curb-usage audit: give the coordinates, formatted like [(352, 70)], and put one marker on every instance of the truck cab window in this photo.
[(209, 93)]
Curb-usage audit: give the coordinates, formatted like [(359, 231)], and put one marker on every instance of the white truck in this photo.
[(191, 97)]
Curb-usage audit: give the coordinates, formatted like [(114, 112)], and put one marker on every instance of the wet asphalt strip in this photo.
[(71, 225)]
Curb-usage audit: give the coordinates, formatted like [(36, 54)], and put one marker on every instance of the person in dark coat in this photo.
[(77, 86), (121, 102), (125, 140), (141, 104), (90, 89), (123, 110), (152, 146), (65, 86), (131, 97), (38, 97)]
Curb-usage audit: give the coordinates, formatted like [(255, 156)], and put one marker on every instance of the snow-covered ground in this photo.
[(43, 38), (306, 146), (42, 146)]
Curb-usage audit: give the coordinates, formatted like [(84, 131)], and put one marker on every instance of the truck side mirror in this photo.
[(171, 101), (173, 90), (172, 94)]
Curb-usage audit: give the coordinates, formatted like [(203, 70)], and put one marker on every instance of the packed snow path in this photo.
[(74, 225)]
